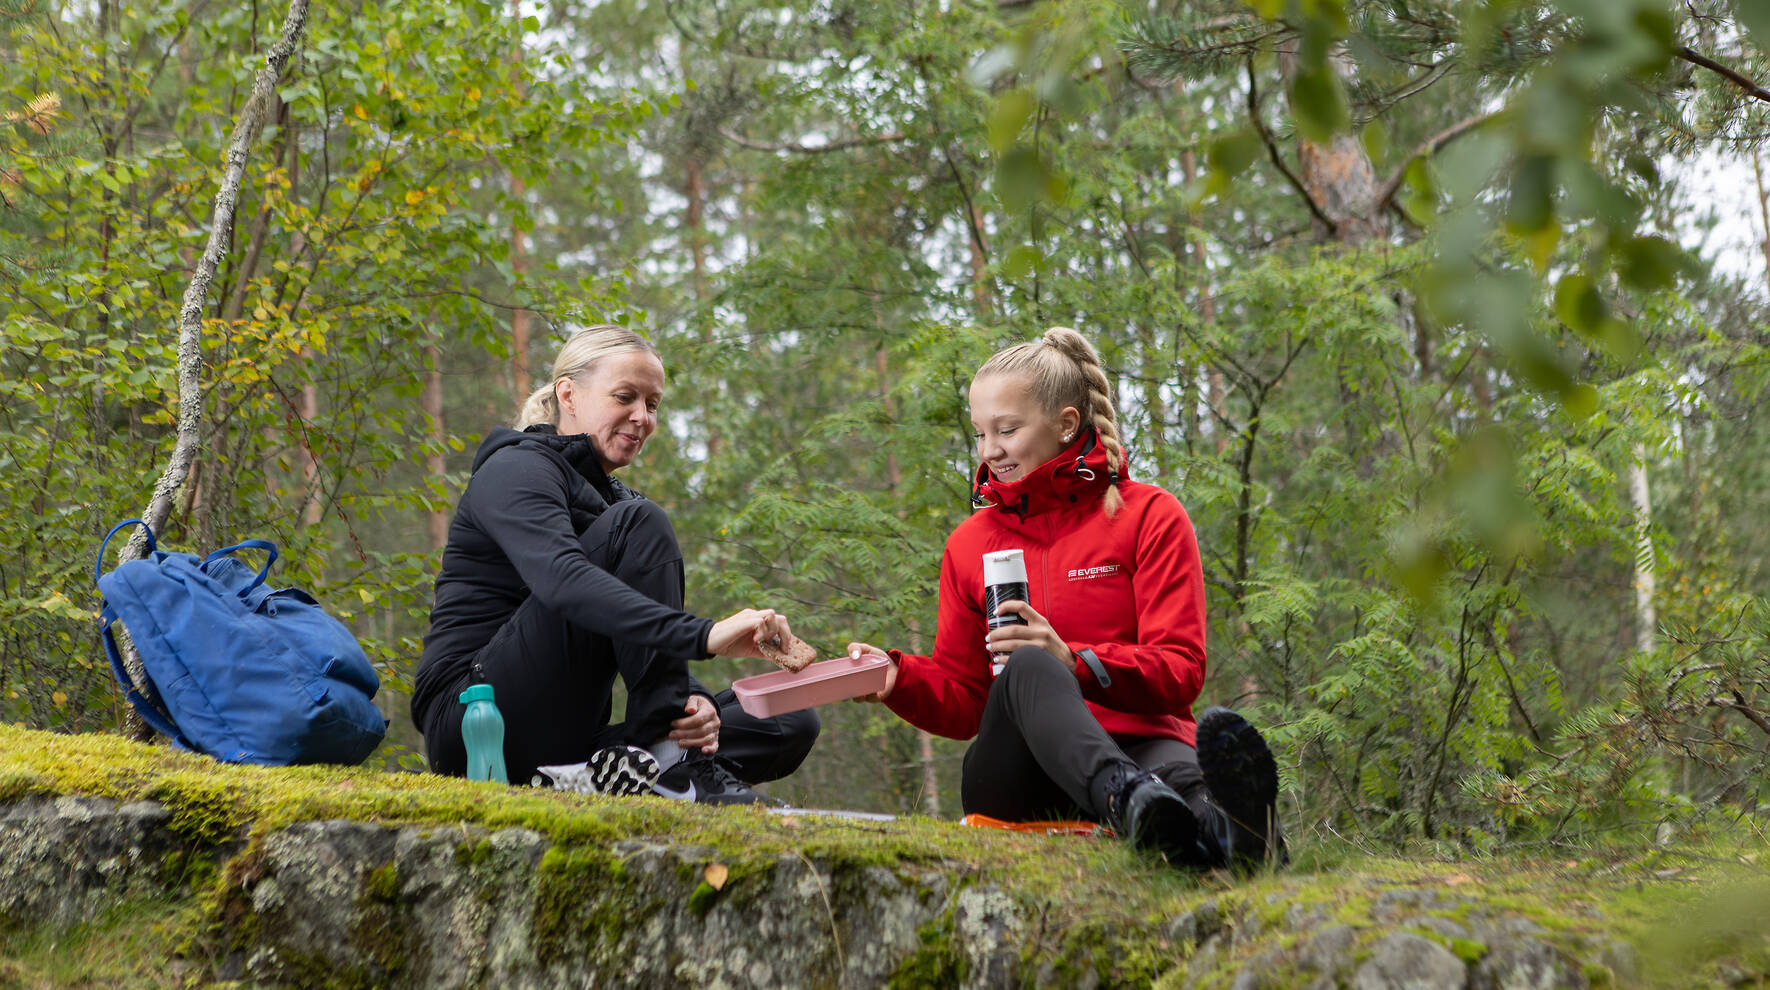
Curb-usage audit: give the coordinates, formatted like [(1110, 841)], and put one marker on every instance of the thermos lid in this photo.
[(1004, 567), (478, 692)]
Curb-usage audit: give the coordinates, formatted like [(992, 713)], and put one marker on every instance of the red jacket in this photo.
[(1130, 589)]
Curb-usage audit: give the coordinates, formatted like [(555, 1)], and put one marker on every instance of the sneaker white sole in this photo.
[(623, 770)]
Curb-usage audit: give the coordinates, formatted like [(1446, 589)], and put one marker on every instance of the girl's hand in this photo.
[(861, 650), (1037, 632), (743, 633), (698, 726)]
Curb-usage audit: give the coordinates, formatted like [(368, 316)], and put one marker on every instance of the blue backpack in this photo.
[(239, 670)]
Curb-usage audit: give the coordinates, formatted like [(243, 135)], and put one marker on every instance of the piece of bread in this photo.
[(794, 654)]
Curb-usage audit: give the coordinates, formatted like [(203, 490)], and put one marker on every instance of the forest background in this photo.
[(1413, 303)]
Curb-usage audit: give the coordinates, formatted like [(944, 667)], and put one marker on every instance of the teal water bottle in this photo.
[(482, 729)]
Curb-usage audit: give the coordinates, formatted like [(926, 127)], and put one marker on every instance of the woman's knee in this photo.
[(634, 530), (1033, 662)]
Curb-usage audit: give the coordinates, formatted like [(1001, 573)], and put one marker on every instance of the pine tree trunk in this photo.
[(196, 300), (437, 518)]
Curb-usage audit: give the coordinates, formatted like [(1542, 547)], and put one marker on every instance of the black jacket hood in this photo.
[(576, 452)]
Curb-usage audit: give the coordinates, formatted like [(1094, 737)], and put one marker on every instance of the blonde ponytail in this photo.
[(579, 354), (1062, 369), (542, 406), (1074, 346)]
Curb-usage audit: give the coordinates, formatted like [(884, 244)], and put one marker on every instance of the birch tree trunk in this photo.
[(519, 261), (196, 300), (1646, 619)]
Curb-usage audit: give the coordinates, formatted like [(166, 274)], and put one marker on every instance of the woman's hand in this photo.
[(699, 725), (1037, 632), (742, 634), (861, 650)]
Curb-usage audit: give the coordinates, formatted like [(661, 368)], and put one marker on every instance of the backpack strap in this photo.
[(265, 545), (149, 712), (98, 565)]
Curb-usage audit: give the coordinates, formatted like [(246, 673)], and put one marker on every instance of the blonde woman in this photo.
[(557, 578)]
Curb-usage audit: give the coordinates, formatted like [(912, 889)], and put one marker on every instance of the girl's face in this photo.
[(1013, 434), (616, 403)]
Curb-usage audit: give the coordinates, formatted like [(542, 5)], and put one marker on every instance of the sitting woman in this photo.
[(557, 577), (1083, 707)]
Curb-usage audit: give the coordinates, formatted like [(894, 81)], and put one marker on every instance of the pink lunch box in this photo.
[(780, 691)]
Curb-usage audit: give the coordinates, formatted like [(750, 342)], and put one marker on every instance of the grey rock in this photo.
[(1405, 961), (1197, 926), (1526, 965), (64, 860), (1328, 951)]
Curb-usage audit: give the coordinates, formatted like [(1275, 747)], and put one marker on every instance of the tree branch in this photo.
[(1277, 159), (1430, 146), (196, 296), (1752, 89), (808, 149)]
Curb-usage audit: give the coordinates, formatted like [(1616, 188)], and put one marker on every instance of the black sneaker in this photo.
[(1146, 812), (698, 777), (1243, 780)]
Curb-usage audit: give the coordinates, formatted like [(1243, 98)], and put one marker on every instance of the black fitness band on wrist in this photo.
[(1096, 666)]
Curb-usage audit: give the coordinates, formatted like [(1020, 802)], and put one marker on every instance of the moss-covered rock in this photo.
[(333, 877)]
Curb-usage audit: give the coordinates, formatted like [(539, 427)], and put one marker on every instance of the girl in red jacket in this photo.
[(1090, 713)]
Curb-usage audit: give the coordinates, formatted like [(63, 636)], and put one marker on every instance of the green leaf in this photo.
[(1229, 156), (1021, 176), (1531, 206), (1650, 263), (1578, 304), (1319, 103), (1755, 15), (1008, 116)]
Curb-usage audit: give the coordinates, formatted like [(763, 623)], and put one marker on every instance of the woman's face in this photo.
[(615, 403), (1013, 434)]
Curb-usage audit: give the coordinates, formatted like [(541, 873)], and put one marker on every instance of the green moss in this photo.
[(936, 961), (383, 883), (133, 944), (1468, 950), (1102, 909)]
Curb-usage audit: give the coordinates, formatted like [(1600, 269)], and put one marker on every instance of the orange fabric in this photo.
[(1088, 829)]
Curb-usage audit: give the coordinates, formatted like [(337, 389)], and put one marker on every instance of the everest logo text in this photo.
[(1089, 573)]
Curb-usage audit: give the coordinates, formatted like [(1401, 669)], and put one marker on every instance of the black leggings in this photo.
[(1039, 747), (553, 681)]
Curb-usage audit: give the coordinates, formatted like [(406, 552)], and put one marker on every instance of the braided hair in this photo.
[(1062, 369), (581, 352)]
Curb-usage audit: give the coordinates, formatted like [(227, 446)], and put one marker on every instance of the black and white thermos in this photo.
[(1004, 580)]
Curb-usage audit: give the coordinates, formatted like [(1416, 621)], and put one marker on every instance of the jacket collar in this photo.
[(1077, 475), (579, 453)]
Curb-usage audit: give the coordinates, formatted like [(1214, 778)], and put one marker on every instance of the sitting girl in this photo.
[(1090, 713)]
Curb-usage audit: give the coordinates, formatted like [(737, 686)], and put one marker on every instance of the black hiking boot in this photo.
[(700, 778), (1146, 812), (1243, 780)]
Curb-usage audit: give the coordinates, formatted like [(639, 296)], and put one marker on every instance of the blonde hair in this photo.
[(581, 352), (1062, 369)]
